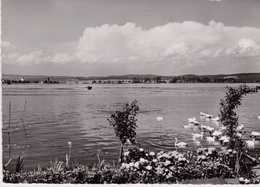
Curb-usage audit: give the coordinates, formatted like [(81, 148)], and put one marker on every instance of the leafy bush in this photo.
[(229, 119), (124, 124)]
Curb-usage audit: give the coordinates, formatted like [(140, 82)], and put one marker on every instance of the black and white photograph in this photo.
[(130, 92)]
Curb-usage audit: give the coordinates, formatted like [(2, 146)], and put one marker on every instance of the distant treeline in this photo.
[(28, 82), (136, 78)]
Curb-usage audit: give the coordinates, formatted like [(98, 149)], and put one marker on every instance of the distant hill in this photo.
[(239, 77)]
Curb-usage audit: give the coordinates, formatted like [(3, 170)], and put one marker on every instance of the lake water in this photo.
[(57, 114)]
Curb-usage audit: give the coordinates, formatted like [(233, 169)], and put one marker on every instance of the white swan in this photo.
[(180, 144), (224, 138), (210, 129), (195, 136), (192, 120), (216, 118), (203, 126), (210, 139), (159, 118), (208, 116), (189, 126), (250, 144), (203, 114), (254, 133), (240, 127), (217, 133)]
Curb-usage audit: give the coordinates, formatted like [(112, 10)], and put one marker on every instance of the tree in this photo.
[(124, 124), (229, 118)]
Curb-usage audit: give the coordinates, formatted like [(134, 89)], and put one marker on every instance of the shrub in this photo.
[(124, 124)]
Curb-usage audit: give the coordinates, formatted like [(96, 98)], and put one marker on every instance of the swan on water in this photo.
[(203, 127), (240, 127), (254, 133), (189, 126), (250, 144), (224, 138), (240, 135), (195, 136), (210, 139), (208, 116), (159, 118), (180, 144), (216, 119), (223, 128), (217, 133), (210, 129), (192, 120)]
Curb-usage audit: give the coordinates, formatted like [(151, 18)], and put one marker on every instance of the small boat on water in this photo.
[(89, 87)]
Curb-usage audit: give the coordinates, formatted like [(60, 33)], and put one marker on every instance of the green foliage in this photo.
[(229, 117), (124, 122), (19, 164), (139, 166), (56, 165)]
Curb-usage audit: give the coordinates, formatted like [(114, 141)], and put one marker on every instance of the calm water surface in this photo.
[(56, 114)]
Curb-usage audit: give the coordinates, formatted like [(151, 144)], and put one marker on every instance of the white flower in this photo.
[(142, 160), (241, 179), (126, 166), (126, 153), (160, 153), (247, 181), (152, 154), (128, 141), (165, 155), (70, 144), (167, 162), (146, 154), (169, 175), (148, 167), (131, 164), (154, 160), (137, 164), (141, 149)]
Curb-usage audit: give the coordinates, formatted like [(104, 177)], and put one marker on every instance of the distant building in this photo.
[(231, 77)]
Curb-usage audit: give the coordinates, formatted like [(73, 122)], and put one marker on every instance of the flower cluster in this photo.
[(160, 167), (214, 164)]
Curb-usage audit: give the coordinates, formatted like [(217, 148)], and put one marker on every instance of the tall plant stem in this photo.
[(9, 133)]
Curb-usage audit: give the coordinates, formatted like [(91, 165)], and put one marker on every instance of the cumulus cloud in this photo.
[(62, 58), (34, 57), (186, 44), (167, 43), (244, 48), (7, 45)]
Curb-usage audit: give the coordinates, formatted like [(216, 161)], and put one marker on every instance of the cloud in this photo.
[(184, 45), (34, 57), (62, 58), (244, 48), (7, 45), (168, 43)]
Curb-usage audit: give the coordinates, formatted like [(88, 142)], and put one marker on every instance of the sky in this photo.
[(116, 37)]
